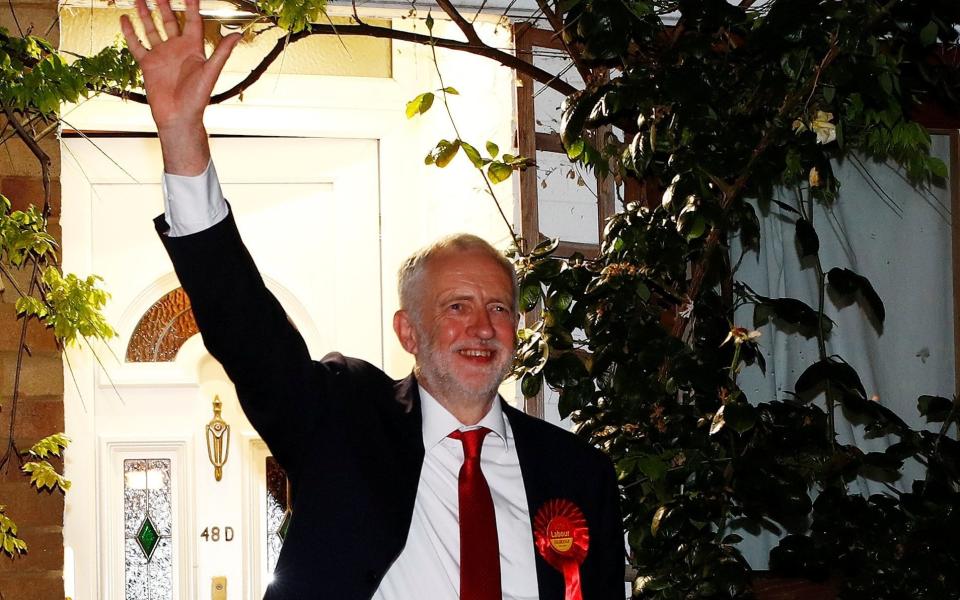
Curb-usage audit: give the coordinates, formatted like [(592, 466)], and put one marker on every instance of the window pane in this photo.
[(277, 503), (147, 526)]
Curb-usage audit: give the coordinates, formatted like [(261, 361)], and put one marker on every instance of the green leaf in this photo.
[(30, 307), (928, 35), (652, 466), (545, 247), (740, 416), (498, 172), (658, 519), (886, 83), (472, 154), (829, 92), (530, 385), (697, 228), (849, 283), (492, 149), (450, 90), (52, 444), (938, 168), (559, 301), (44, 476), (575, 149), (443, 153), (829, 370), (420, 104), (75, 307), (10, 544), (936, 409), (530, 292), (791, 311), (429, 22)]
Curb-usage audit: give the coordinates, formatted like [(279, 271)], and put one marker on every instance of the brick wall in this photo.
[(39, 574)]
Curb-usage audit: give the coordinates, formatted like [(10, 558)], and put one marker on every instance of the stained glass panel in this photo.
[(163, 329), (277, 503), (147, 526)]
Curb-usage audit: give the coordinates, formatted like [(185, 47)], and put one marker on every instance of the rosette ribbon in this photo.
[(562, 538)]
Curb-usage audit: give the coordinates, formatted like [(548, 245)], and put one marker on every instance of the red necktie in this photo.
[(479, 550)]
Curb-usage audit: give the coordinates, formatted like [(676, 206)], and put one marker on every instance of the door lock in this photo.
[(218, 588)]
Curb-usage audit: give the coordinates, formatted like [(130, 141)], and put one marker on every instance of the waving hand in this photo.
[(179, 79)]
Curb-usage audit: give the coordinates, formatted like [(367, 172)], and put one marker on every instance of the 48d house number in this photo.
[(216, 534)]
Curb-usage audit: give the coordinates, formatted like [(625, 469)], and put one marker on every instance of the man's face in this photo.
[(465, 326)]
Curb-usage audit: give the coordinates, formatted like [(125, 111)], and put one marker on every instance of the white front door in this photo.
[(147, 520)]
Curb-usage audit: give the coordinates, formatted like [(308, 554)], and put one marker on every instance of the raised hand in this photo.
[(179, 79)]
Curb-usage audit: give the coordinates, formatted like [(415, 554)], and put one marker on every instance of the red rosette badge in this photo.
[(562, 539)]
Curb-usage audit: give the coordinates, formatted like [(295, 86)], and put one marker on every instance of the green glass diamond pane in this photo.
[(282, 532), (148, 538)]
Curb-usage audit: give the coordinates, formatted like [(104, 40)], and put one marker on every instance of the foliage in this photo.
[(499, 167), (35, 78), (707, 116), (9, 542), (34, 81), (293, 16)]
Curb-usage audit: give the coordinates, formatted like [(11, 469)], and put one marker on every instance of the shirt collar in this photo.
[(438, 422)]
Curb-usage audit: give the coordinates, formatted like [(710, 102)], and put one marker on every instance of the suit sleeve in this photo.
[(244, 327)]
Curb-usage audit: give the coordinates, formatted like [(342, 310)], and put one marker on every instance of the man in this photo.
[(427, 488)]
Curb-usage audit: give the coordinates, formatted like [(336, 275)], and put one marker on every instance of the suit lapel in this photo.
[(407, 449), (409, 427), (539, 482)]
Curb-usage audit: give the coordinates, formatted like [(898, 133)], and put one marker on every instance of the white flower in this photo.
[(740, 335), (825, 130)]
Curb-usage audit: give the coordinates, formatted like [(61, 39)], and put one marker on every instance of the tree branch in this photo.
[(557, 24), (465, 26), (504, 58)]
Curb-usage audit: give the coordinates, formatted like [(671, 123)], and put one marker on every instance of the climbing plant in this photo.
[(34, 82), (714, 112)]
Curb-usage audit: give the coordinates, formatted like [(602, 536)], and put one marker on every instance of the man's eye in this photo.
[(456, 306)]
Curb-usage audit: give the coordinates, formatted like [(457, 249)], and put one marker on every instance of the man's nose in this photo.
[(481, 326)]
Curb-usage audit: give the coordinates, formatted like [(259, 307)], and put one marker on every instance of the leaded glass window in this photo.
[(147, 526), (278, 511), (163, 329)]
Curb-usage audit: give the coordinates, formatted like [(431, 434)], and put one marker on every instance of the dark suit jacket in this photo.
[(350, 440)]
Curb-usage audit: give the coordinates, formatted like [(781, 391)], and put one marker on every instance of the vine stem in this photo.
[(807, 213), (486, 180), (44, 160)]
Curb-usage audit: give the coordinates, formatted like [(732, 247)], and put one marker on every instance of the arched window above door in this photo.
[(163, 329)]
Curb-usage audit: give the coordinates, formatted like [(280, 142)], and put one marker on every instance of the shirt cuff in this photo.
[(192, 204)]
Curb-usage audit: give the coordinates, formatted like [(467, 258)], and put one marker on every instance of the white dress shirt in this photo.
[(429, 565), (428, 568)]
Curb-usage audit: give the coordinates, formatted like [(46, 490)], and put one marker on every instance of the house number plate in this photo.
[(217, 534)]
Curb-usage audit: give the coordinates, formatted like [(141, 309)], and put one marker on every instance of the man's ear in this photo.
[(406, 332)]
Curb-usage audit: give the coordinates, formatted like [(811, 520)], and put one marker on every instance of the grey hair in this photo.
[(411, 271)]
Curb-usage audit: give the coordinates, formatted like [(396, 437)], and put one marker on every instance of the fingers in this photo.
[(133, 42), (193, 25), (170, 25), (219, 57), (153, 36)]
